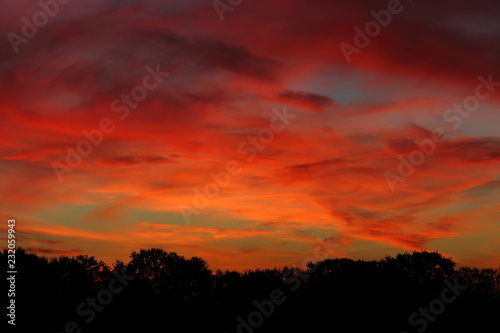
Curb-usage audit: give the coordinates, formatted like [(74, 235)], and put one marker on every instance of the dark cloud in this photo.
[(309, 100), (56, 252), (128, 161), (312, 165), (474, 150)]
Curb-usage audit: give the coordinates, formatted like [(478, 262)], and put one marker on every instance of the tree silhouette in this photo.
[(171, 274), (172, 293)]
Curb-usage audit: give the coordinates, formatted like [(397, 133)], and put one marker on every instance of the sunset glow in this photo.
[(247, 140)]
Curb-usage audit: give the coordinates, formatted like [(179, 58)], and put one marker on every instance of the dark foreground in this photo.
[(160, 291)]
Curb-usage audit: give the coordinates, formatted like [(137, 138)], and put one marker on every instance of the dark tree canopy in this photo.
[(164, 291)]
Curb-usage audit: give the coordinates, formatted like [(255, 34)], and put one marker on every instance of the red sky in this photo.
[(323, 175)]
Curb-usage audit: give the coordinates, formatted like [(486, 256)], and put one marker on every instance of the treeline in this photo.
[(163, 291)]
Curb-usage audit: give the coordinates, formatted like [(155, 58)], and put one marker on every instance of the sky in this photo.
[(244, 132)]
